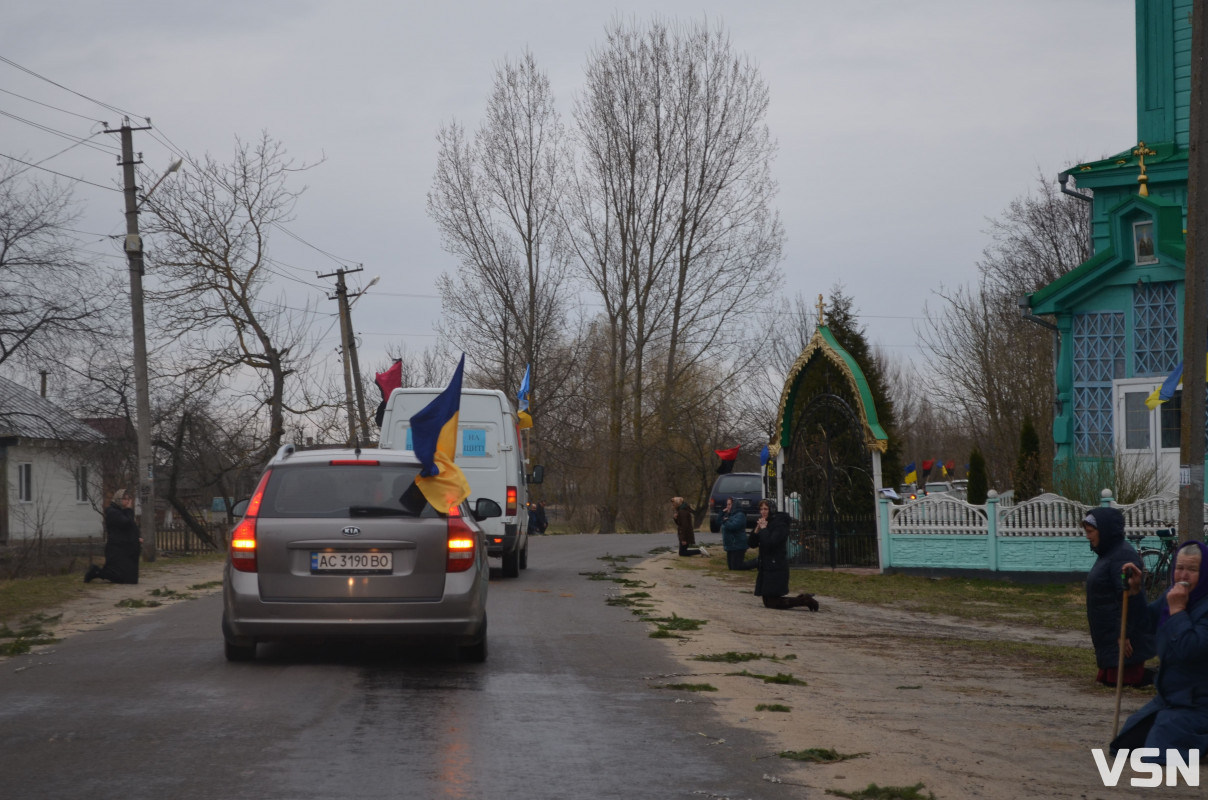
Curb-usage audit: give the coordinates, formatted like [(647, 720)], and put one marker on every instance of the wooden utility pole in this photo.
[(1195, 307), (142, 393), (352, 373)]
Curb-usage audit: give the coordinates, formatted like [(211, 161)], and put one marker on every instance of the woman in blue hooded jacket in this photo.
[(1177, 718), (1104, 527), (734, 537)]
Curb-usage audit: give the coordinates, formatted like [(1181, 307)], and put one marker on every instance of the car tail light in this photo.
[(461, 543), (243, 539), (511, 509), (349, 462)]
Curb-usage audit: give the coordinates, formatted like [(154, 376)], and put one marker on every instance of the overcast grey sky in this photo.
[(902, 124)]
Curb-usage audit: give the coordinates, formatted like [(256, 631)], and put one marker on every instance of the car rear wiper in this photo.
[(379, 511)]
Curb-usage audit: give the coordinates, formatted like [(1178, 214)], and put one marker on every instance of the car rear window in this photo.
[(342, 490), (738, 484)]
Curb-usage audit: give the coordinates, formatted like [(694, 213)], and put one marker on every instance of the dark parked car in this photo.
[(747, 490), (340, 543)]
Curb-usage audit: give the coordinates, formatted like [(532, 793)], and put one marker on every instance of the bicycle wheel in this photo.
[(1156, 573)]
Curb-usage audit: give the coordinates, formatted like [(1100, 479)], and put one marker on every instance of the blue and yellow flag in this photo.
[(526, 421), (434, 440), (911, 475)]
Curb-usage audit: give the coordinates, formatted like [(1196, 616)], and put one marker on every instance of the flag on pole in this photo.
[(728, 457), (387, 382), (434, 440), (526, 420), (765, 455), (911, 475)]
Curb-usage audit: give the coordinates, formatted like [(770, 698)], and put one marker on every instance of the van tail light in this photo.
[(243, 538), (461, 543), (511, 509)]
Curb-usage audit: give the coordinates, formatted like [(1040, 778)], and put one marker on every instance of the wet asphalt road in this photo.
[(563, 708)]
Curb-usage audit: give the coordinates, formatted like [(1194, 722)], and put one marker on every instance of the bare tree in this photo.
[(211, 229), (672, 220), (49, 298), (496, 202), (985, 363)]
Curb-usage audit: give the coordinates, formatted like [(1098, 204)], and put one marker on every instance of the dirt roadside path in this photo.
[(888, 683)]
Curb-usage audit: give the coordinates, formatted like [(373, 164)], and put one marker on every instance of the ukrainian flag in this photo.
[(911, 475), (526, 421), (434, 440)]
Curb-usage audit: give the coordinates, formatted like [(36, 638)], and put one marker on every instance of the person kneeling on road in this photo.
[(771, 536), (684, 528), (734, 537)]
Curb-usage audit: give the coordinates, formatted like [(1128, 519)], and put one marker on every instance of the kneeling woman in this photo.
[(771, 536)]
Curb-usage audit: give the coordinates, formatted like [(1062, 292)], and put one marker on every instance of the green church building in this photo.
[(1119, 315)]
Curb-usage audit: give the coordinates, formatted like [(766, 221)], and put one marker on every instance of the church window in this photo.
[(1155, 329)]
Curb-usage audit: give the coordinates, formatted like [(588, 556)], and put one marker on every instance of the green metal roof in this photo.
[(825, 343)]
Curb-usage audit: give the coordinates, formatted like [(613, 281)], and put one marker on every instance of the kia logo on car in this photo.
[(351, 530)]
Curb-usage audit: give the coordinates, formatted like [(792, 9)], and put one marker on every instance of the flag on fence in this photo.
[(434, 440), (387, 382), (526, 420), (911, 475), (728, 457)]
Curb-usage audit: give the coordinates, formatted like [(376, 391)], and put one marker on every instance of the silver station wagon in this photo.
[(341, 543)]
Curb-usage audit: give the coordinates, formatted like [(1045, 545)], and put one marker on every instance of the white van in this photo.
[(491, 454)]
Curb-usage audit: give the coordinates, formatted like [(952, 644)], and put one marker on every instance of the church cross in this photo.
[(1140, 152), (821, 305)]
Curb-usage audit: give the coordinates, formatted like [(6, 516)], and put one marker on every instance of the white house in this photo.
[(48, 460)]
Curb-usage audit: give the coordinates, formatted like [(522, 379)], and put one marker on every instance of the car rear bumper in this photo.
[(458, 616)]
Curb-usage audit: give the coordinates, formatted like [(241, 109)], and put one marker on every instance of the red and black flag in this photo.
[(387, 381), (728, 457)]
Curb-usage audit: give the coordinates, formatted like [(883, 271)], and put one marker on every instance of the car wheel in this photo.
[(239, 652), (234, 648), (524, 557), (511, 564), (475, 653)]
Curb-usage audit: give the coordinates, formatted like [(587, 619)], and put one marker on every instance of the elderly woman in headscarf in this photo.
[(123, 542), (1177, 718)]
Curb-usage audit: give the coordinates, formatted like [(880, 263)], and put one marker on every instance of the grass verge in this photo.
[(1056, 606), (874, 792), (24, 597)]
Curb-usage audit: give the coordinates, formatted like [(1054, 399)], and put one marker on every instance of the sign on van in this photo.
[(473, 442)]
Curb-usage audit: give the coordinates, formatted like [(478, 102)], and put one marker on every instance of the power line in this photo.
[(107, 149), (166, 141), (28, 71), (48, 105), (60, 174)]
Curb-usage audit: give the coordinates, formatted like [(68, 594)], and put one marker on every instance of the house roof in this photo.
[(27, 414)]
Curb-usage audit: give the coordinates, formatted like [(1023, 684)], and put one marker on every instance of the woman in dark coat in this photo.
[(1104, 527), (771, 536), (123, 544), (684, 528), (1177, 718)]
